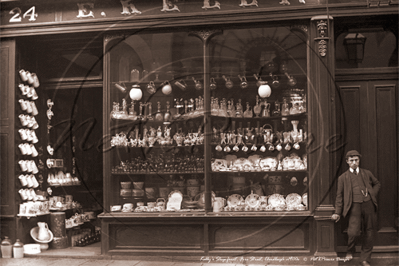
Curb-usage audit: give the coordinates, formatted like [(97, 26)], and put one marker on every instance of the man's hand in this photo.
[(335, 217)]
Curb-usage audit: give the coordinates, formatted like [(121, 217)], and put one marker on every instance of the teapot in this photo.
[(160, 203), (229, 84), (212, 84), (198, 84), (43, 233), (244, 83)]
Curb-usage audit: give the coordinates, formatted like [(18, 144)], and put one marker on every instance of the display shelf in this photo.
[(32, 215), (71, 185), (157, 173), (261, 172), (203, 214), (254, 118)]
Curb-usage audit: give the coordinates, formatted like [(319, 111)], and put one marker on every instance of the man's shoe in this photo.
[(348, 256), (364, 263)]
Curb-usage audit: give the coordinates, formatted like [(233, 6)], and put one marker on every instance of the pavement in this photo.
[(181, 261), (91, 256)]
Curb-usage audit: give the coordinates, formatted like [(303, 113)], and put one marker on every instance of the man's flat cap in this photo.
[(353, 153)]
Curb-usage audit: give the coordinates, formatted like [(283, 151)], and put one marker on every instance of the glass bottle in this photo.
[(201, 105), (185, 108), (149, 115), (124, 107), (266, 110), (178, 107), (276, 111), (230, 112), (167, 115), (223, 108), (158, 115), (141, 117), (257, 107), (132, 112), (232, 108), (239, 112), (191, 107), (285, 108), (248, 112)]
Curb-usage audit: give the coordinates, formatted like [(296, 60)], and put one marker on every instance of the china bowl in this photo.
[(34, 232), (126, 185)]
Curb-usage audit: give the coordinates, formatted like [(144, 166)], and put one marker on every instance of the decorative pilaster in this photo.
[(322, 126), (322, 39)]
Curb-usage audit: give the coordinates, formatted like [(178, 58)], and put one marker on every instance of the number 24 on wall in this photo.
[(17, 14)]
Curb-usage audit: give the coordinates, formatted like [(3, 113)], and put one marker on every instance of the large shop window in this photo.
[(157, 87)]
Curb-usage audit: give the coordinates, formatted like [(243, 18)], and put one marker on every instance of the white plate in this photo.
[(276, 200), (234, 200), (293, 199), (252, 200)]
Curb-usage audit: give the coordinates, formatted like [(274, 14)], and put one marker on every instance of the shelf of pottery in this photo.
[(30, 150), (38, 170)]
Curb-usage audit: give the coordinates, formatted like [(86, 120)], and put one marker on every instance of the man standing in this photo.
[(357, 197)]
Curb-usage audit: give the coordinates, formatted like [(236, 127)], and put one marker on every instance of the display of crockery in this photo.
[(175, 199), (293, 199), (235, 200), (219, 165), (255, 159), (252, 200), (277, 201), (269, 164)]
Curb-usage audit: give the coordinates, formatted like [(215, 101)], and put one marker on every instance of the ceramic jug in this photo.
[(218, 204), (43, 233)]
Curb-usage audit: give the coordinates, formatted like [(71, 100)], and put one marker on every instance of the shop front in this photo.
[(195, 127)]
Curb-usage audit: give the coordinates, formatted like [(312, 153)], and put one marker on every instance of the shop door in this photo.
[(7, 191), (367, 113)]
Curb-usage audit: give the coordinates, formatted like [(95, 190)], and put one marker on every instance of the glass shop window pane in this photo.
[(380, 49), (252, 152), (156, 118)]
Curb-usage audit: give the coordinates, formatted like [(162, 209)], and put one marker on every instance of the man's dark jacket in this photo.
[(344, 190)]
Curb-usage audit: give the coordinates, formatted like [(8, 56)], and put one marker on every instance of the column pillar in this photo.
[(322, 125)]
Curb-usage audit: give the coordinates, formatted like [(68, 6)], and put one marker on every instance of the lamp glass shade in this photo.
[(264, 90), (167, 88), (135, 93)]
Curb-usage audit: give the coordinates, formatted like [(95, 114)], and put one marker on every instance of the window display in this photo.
[(157, 89)]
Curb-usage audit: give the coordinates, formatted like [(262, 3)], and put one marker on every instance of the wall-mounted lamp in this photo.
[(354, 45)]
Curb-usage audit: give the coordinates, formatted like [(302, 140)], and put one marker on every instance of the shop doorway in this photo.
[(367, 115)]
